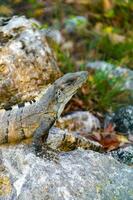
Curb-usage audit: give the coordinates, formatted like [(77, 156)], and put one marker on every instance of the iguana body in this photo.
[(36, 118)]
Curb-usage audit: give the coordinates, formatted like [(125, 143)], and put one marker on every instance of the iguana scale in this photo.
[(36, 118)]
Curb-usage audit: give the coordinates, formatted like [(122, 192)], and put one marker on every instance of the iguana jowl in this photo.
[(37, 118)]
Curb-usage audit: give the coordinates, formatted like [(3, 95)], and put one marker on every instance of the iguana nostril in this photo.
[(62, 88)]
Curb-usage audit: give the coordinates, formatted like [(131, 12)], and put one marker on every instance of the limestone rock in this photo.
[(27, 63), (7, 190), (53, 35), (77, 175), (79, 121)]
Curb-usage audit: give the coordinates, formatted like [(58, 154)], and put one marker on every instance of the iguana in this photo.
[(36, 118)]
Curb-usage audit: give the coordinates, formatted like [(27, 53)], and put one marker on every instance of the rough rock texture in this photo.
[(123, 120), (27, 63), (7, 189), (80, 121), (76, 175), (124, 155)]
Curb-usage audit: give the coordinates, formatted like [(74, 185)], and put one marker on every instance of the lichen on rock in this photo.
[(78, 175), (27, 63), (7, 190)]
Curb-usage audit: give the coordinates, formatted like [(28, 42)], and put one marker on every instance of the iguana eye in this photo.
[(71, 81)]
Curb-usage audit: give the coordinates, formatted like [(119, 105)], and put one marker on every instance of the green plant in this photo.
[(64, 59), (104, 91)]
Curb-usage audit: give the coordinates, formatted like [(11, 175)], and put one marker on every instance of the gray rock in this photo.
[(123, 120), (76, 175), (79, 121), (100, 65), (27, 63), (124, 155), (54, 34), (7, 190)]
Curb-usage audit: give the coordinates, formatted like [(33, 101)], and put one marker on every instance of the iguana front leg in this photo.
[(40, 135)]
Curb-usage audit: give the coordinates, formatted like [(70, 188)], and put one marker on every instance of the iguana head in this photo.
[(65, 87), (60, 92)]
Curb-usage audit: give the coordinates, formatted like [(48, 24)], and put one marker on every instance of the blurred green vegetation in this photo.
[(103, 32), (105, 92), (107, 36)]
